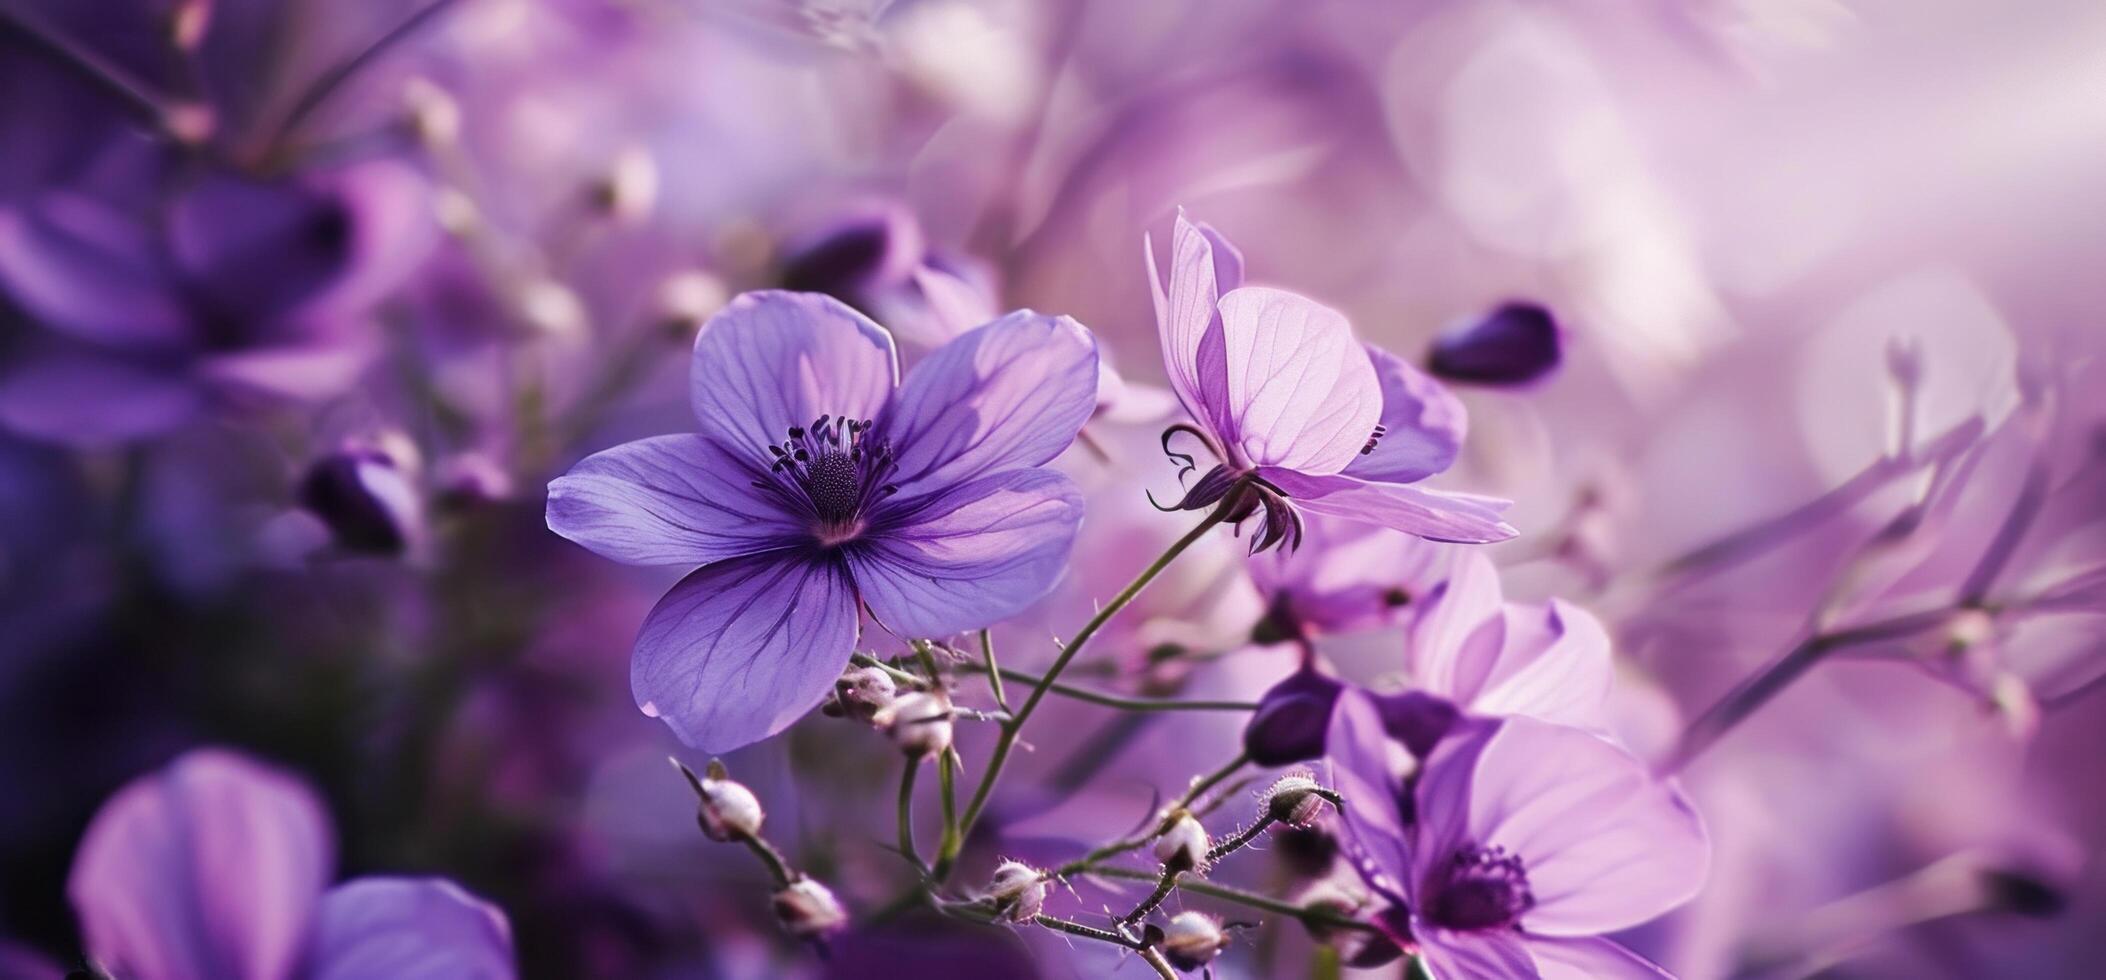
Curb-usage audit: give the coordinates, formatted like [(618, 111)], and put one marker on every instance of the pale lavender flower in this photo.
[(1285, 397), (1494, 658), (877, 259), (1517, 847), (814, 489), (218, 867)]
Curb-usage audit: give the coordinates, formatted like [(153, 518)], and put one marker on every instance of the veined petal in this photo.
[(1188, 319), (1443, 800), (1301, 391), (740, 649), (1433, 514), (208, 869), (1482, 955), (1364, 770), (1591, 958), (971, 557), (668, 500), (771, 360), (1423, 424), (1605, 845), (1003, 396), (408, 929)]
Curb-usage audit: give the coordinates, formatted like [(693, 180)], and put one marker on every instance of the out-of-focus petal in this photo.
[(1302, 394), (1006, 395), (209, 869), (1514, 344), (296, 373), (1590, 958), (971, 557), (83, 269), (1423, 423), (771, 360), (740, 649), (71, 394), (1605, 845), (253, 249), (1433, 514), (668, 500), (1476, 955), (408, 929)]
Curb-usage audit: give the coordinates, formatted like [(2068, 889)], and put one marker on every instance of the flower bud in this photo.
[(919, 723), (728, 811), (366, 497), (629, 188), (551, 309), (187, 22), (685, 299), (433, 116), (470, 478), (863, 692), (1291, 719), (1294, 800), (809, 910), (1018, 891), (1192, 940), (1184, 846), (1517, 343)]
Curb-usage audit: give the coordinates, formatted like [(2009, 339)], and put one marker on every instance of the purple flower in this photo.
[(814, 489), (233, 291), (1495, 658), (876, 259), (1518, 845), (1298, 410), (218, 867), (1517, 343)]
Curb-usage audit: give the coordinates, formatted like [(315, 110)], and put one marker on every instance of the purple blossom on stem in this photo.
[(818, 485), (218, 867), (1517, 343), (1301, 416), (1517, 847)]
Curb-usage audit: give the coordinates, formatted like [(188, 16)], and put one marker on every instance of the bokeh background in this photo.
[(509, 216)]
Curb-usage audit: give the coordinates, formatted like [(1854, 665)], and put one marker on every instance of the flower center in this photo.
[(834, 470), (1479, 888)]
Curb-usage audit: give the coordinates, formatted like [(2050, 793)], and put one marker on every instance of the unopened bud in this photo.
[(809, 910), (1018, 891), (367, 497), (456, 212), (863, 692), (629, 188), (1192, 940), (727, 810), (1969, 628), (919, 723), (1294, 800), (1184, 846), (433, 116), (190, 123), (2012, 700), (187, 22), (685, 299), (551, 309), (471, 478)]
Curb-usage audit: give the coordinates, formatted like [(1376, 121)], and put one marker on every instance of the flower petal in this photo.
[(740, 649), (1364, 771), (1475, 955), (1432, 514), (210, 867), (82, 268), (408, 929), (1591, 958), (1188, 320), (1423, 424), (1003, 396), (1441, 655), (668, 500), (971, 557), (1302, 393), (1606, 846), (1347, 576), (75, 394), (770, 360), (1553, 665)]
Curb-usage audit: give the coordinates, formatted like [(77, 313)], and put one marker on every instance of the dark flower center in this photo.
[(1478, 888), (833, 470)]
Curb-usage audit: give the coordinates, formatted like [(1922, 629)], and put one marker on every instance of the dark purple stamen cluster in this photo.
[(1231, 486), (1479, 888), (836, 467), (1374, 438)]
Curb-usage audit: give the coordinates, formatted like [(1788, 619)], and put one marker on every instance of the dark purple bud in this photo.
[(1291, 719), (865, 251), (365, 498), (1417, 719), (1517, 343)]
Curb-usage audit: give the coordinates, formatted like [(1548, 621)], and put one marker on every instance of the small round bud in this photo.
[(187, 23), (2011, 698), (367, 497), (863, 692), (809, 910), (685, 299), (433, 116), (919, 723), (456, 212), (1294, 800), (728, 811), (190, 123), (551, 309), (470, 478), (629, 188), (1184, 846), (1969, 628), (1192, 940), (1018, 891)]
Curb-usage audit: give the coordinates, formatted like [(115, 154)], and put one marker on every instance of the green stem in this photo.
[(994, 672), (1254, 900), (1117, 701), (906, 815), (1015, 726), (1118, 847), (947, 772), (778, 868)]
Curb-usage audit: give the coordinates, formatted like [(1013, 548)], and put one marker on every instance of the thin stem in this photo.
[(1120, 702), (1155, 898), (334, 78), (1772, 680), (897, 675), (778, 868), (1015, 727), (994, 672), (1114, 849), (906, 815), (1241, 840), (1266, 903), (1088, 932), (947, 772), (83, 62)]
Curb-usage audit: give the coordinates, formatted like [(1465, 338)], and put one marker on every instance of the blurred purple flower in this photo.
[(218, 866), (876, 259), (814, 488), (1346, 577), (1285, 396), (1517, 343), (1518, 845), (231, 291)]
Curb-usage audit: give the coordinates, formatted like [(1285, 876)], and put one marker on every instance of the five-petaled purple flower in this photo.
[(218, 867), (1300, 414), (813, 489), (1517, 846)]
